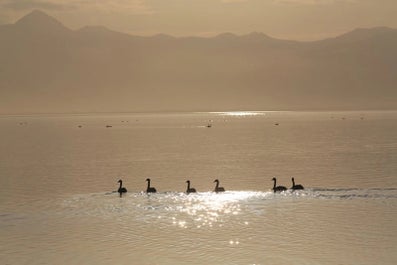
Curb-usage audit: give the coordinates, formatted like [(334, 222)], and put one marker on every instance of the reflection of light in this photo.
[(208, 209), (241, 113), (219, 201)]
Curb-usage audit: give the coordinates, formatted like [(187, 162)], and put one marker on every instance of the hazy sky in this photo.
[(290, 19)]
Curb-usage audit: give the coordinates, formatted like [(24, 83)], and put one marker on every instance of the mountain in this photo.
[(38, 20), (46, 67)]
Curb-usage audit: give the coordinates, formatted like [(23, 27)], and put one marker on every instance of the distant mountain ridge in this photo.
[(38, 18), (49, 68)]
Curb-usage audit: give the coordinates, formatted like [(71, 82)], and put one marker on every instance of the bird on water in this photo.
[(150, 189), (217, 188), (189, 190), (296, 187), (121, 189), (278, 188)]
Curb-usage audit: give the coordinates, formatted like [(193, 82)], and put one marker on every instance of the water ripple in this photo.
[(203, 209)]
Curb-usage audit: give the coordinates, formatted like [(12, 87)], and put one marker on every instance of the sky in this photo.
[(286, 19)]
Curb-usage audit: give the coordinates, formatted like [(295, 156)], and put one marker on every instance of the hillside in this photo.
[(46, 67)]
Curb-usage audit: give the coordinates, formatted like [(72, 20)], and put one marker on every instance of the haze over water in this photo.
[(58, 174)]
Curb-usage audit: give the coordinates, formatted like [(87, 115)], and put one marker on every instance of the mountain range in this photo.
[(46, 67)]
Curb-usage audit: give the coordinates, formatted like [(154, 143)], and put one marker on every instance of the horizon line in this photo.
[(182, 112)]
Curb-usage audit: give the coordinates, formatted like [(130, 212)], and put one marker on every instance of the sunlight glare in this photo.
[(208, 209), (242, 113)]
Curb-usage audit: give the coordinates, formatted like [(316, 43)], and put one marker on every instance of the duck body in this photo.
[(278, 188), (188, 189), (150, 189), (121, 189), (217, 188), (296, 187)]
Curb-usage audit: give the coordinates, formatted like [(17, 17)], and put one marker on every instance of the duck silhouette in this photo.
[(150, 189), (297, 186), (217, 188), (278, 188), (121, 189), (188, 189)]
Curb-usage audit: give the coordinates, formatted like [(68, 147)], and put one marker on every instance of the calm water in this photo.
[(57, 174)]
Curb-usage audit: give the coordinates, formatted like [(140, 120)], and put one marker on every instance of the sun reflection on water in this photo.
[(208, 209), (241, 113)]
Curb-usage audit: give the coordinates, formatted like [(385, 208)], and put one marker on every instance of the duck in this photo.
[(189, 190), (217, 188), (150, 189), (278, 188), (296, 187), (121, 189)]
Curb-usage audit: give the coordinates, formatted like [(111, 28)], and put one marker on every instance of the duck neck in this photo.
[(148, 184), (217, 185), (188, 186), (274, 185), (293, 182), (121, 183)]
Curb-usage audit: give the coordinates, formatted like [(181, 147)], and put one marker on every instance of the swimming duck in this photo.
[(121, 189), (189, 190), (278, 188), (217, 188), (150, 189), (296, 187)]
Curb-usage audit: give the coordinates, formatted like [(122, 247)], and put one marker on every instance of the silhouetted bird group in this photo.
[(217, 189), (282, 188)]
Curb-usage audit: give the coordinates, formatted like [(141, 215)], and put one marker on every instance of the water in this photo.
[(58, 174)]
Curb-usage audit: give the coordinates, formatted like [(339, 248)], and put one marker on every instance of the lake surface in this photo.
[(58, 174)]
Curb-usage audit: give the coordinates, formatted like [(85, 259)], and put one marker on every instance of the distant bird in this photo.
[(217, 188), (296, 187), (278, 188), (150, 189), (189, 190), (121, 189)]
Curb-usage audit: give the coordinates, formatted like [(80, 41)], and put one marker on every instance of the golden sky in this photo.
[(288, 19)]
